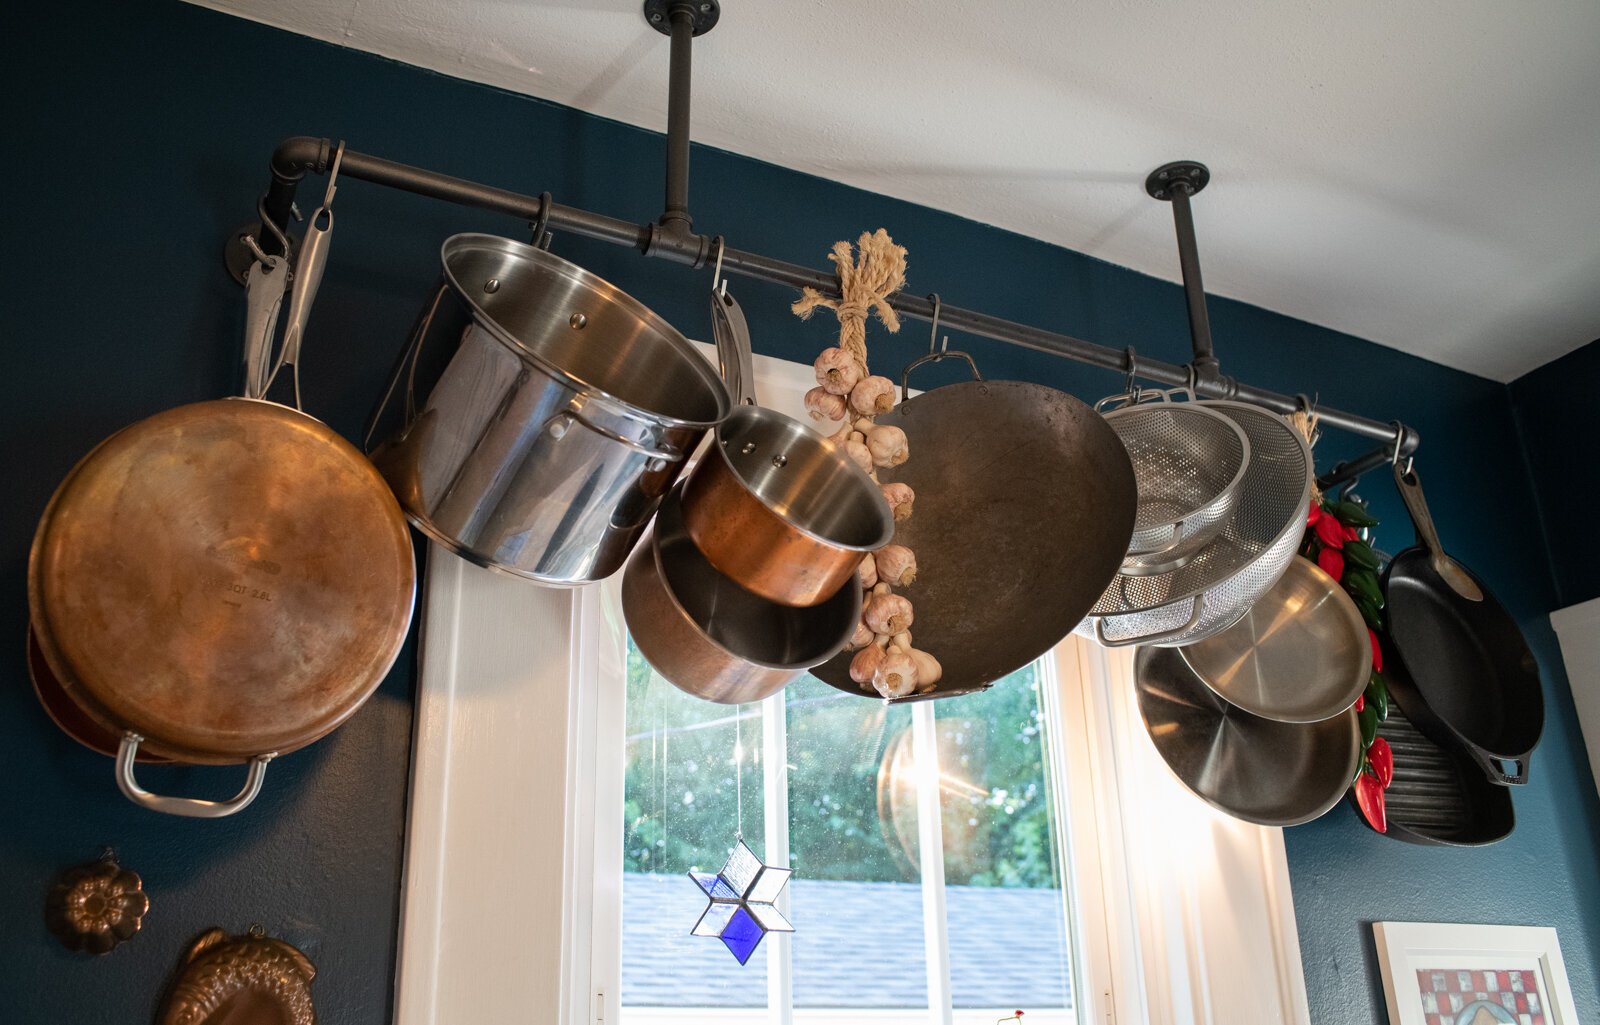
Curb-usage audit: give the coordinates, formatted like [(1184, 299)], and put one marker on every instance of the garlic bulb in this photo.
[(860, 453), (867, 572), (822, 404), (896, 674), (896, 564), (837, 371), (902, 640), (887, 445), (928, 669), (888, 614), (899, 497), (861, 638), (872, 395), (864, 424), (865, 665)]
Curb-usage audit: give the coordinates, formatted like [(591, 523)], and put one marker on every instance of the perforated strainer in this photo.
[(1188, 462), (1216, 587)]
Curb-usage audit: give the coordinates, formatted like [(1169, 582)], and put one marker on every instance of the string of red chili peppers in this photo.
[(1333, 540)]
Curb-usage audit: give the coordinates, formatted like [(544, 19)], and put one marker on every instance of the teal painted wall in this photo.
[(1556, 417), (137, 136)]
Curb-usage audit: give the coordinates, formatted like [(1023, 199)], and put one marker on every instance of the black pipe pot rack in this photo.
[(673, 238)]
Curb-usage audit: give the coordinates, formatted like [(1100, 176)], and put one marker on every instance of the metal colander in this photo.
[(1188, 461), (1214, 589)]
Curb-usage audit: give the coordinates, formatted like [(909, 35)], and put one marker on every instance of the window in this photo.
[(529, 711), (967, 930)]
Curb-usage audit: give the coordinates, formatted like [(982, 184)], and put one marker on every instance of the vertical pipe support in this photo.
[(675, 212), (1176, 183)]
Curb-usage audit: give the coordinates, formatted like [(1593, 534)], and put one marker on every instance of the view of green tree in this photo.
[(852, 801)]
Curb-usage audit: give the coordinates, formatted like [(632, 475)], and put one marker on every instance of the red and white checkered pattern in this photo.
[(1459, 997)]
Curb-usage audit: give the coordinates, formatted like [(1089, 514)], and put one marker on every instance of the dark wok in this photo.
[(1025, 502)]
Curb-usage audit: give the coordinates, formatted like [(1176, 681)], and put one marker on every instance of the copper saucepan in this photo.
[(220, 583), (779, 509), (710, 637)]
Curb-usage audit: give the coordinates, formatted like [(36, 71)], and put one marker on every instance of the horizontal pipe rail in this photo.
[(297, 156)]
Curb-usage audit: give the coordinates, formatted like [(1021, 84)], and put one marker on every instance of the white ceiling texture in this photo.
[(1424, 174)]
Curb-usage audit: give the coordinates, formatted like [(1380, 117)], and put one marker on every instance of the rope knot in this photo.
[(867, 276)]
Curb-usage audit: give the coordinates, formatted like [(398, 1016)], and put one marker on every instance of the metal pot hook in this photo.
[(719, 284), (1399, 442), (541, 236)]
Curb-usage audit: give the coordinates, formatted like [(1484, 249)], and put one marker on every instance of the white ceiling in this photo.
[(1421, 173)]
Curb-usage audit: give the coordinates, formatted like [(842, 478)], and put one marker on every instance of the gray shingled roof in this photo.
[(856, 945)]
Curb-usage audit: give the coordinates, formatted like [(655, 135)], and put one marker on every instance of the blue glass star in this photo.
[(742, 897)]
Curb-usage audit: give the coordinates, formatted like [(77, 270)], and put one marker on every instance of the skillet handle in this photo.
[(188, 807), (1495, 768), (1155, 638)]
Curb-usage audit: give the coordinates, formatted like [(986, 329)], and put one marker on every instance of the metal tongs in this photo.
[(265, 284)]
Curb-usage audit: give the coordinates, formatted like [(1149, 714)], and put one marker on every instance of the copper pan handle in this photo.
[(188, 807)]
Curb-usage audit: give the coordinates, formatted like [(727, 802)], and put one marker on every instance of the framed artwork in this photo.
[(1435, 973)]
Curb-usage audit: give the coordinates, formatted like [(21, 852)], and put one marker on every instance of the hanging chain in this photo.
[(738, 772)]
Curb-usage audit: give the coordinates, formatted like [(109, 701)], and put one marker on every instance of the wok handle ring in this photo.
[(188, 807), (1155, 638), (1495, 768), (562, 421), (935, 357)]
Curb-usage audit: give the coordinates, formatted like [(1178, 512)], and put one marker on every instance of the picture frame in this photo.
[(1438, 973)]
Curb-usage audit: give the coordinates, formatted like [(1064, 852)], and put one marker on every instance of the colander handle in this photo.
[(1137, 397), (1155, 638)]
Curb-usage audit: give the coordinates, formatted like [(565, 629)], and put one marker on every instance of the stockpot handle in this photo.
[(1495, 768), (1155, 638), (188, 807), (559, 424)]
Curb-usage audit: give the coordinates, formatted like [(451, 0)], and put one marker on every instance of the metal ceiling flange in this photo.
[(659, 14), (1192, 173)]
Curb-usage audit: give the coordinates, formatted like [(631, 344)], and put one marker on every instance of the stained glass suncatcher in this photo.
[(742, 897)]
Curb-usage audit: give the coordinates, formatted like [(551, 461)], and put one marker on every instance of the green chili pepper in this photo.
[(1369, 725), (1353, 514)]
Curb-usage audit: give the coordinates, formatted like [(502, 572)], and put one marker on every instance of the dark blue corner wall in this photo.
[(136, 137), (1555, 411)]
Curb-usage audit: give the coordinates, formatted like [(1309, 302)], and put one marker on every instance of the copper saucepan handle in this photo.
[(188, 807)]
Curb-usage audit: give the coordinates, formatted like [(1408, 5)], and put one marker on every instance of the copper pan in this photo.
[(780, 510), (220, 583), (68, 715), (710, 637)]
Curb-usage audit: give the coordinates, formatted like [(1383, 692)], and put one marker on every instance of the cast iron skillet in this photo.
[(1469, 680)]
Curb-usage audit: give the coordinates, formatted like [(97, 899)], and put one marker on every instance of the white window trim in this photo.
[(511, 907)]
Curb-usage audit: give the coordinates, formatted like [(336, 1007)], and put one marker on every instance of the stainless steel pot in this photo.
[(539, 414), (710, 637)]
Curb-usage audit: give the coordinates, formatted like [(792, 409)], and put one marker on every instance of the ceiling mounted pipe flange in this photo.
[(705, 13), (1192, 173)]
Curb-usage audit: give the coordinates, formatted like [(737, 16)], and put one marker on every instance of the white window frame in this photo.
[(511, 907)]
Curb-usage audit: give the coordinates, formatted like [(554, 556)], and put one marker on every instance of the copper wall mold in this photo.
[(241, 980), (96, 907)]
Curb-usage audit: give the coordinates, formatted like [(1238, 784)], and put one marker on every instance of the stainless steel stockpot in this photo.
[(539, 414)]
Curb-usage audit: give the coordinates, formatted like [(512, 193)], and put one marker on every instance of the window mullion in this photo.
[(775, 801), (930, 845)]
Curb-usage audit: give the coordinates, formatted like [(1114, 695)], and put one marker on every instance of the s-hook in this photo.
[(938, 352), (719, 284), (541, 224), (1399, 441)]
